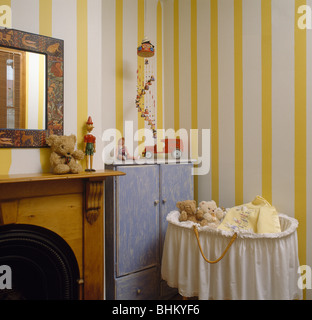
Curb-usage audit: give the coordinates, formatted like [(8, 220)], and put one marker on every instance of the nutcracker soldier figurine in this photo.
[(89, 145)]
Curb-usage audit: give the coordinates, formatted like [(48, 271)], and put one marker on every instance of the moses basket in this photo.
[(256, 266)]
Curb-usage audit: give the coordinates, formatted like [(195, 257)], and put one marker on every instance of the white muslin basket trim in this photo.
[(288, 226)]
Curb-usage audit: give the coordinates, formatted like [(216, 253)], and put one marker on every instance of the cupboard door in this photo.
[(137, 218), (176, 184)]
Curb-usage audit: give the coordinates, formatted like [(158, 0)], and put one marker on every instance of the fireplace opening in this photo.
[(42, 265)]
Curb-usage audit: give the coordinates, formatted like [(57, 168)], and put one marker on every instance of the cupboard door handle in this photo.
[(139, 291), (156, 202), (164, 200)]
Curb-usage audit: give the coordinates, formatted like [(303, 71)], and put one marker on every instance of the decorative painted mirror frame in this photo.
[(54, 51)]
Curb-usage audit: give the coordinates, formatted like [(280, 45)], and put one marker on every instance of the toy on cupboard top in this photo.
[(170, 146), (122, 151)]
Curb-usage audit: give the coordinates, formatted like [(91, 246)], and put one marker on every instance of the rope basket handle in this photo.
[(224, 252)]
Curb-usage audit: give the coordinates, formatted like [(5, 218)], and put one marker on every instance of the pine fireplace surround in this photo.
[(71, 205)]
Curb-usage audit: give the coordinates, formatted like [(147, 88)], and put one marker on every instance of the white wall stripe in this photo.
[(151, 32), (25, 15), (168, 63), (226, 104), (252, 98), (185, 64), (108, 66), (64, 26), (95, 76), (204, 86), (163, 67), (130, 42), (283, 106)]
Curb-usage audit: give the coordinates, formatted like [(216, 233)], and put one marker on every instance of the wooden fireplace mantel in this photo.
[(71, 205), (99, 174)]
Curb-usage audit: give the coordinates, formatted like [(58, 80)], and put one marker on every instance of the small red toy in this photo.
[(172, 146)]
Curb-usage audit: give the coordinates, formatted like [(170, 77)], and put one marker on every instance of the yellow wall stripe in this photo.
[(159, 52), (45, 28), (5, 3), (141, 123), (176, 79), (300, 134), (266, 56), (45, 17), (194, 105), (214, 101), (82, 70), (119, 65), (5, 154), (238, 99)]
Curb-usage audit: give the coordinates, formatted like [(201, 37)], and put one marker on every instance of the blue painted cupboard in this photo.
[(136, 206)]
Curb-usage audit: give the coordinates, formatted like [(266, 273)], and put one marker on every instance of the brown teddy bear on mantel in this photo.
[(63, 156)]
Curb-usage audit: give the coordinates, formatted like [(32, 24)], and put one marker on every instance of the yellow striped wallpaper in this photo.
[(82, 70), (119, 65), (159, 53), (240, 68), (300, 134), (214, 101), (266, 54), (5, 154), (140, 64), (238, 96), (45, 28), (45, 17), (176, 65), (194, 89)]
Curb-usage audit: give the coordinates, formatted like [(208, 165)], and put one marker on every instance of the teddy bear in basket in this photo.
[(210, 214), (189, 212), (63, 156)]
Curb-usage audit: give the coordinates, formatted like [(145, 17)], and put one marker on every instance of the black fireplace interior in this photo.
[(43, 265)]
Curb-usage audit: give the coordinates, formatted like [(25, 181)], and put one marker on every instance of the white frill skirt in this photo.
[(256, 266)]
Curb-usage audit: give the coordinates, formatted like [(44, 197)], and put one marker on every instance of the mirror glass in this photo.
[(22, 89)]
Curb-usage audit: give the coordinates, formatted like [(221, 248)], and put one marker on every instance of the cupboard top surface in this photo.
[(144, 162)]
